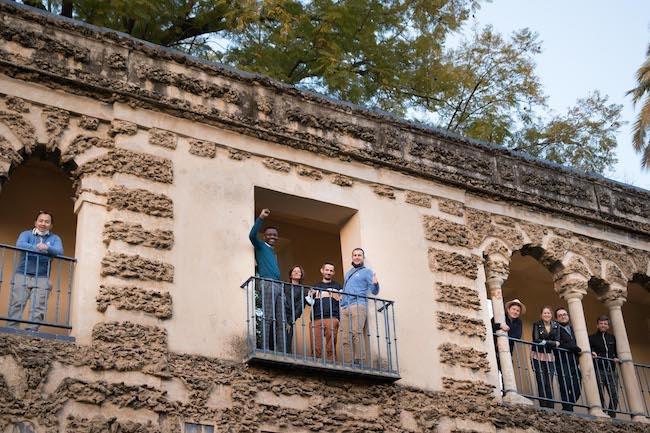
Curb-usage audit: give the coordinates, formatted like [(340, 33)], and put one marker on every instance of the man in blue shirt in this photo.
[(359, 283), (271, 293), (31, 278)]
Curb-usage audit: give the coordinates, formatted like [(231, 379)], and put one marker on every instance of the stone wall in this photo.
[(55, 386)]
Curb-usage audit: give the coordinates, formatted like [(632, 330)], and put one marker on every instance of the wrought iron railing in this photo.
[(35, 290), (551, 377), (307, 326), (613, 395), (643, 376)]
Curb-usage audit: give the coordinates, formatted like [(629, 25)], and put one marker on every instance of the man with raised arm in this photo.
[(31, 278), (269, 287), (359, 283)]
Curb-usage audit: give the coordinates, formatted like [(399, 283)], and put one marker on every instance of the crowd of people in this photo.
[(339, 314), (555, 352)]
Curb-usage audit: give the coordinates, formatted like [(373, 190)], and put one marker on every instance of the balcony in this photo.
[(35, 293), (301, 326), (552, 378)]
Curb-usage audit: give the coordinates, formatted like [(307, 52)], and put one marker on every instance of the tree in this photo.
[(584, 137), (394, 55), (357, 50), (640, 139)]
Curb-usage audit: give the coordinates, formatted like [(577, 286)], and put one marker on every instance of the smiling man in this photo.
[(31, 278), (273, 321), (359, 283)]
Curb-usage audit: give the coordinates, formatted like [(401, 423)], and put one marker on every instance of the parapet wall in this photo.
[(113, 67)]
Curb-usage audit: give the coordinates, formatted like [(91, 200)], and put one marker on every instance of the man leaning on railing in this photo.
[(31, 279), (603, 349)]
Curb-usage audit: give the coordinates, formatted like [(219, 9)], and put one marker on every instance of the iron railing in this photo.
[(35, 290), (306, 326), (613, 396), (643, 376), (551, 377)]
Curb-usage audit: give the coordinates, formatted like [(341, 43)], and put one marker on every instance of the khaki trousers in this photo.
[(352, 331)]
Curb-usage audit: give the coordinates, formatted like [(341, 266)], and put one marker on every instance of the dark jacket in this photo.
[(541, 336), (294, 301), (326, 307), (516, 329), (603, 344), (568, 358)]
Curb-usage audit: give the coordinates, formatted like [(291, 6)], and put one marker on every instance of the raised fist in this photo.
[(265, 212)]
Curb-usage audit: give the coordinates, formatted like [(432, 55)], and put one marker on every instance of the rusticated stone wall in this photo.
[(40, 391)]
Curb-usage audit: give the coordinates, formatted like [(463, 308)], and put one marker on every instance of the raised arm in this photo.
[(253, 234), (256, 228), (374, 284)]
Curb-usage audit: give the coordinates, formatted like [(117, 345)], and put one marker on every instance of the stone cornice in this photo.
[(113, 67)]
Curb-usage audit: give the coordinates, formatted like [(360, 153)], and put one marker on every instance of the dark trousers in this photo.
[(274, 324), (569, 379), (544, 372), (608, 380)]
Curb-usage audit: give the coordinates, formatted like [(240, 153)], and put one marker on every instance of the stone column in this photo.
[(614, 299), (572, 288), (89, 250), (496, 270)]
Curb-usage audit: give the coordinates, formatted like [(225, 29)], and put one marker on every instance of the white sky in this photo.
[(587, 45)]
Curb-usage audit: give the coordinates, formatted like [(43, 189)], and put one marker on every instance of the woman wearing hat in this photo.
[(513, 325)]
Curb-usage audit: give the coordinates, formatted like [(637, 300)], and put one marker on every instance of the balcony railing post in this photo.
[(630, 381)]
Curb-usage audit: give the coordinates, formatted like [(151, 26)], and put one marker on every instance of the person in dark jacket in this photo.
[(325, 314), (603, 349), (513, 325), (294, 303), (546, 338), (566, 361)]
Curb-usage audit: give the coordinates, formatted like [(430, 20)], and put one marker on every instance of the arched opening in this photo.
[(37, 184), (637, 319), (530, 282), (544, 374)]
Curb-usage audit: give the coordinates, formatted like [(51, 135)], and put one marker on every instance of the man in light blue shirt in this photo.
[(359, 283), (31, 278)]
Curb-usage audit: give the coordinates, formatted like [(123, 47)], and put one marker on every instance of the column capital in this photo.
[(497, 270), (571, 286), (616, 296)]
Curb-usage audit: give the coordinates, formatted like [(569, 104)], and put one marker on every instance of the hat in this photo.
[(516, 302)]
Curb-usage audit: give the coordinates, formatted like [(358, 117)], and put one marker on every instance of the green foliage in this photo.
[(584, 137), (401, 56), (641, 93)]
